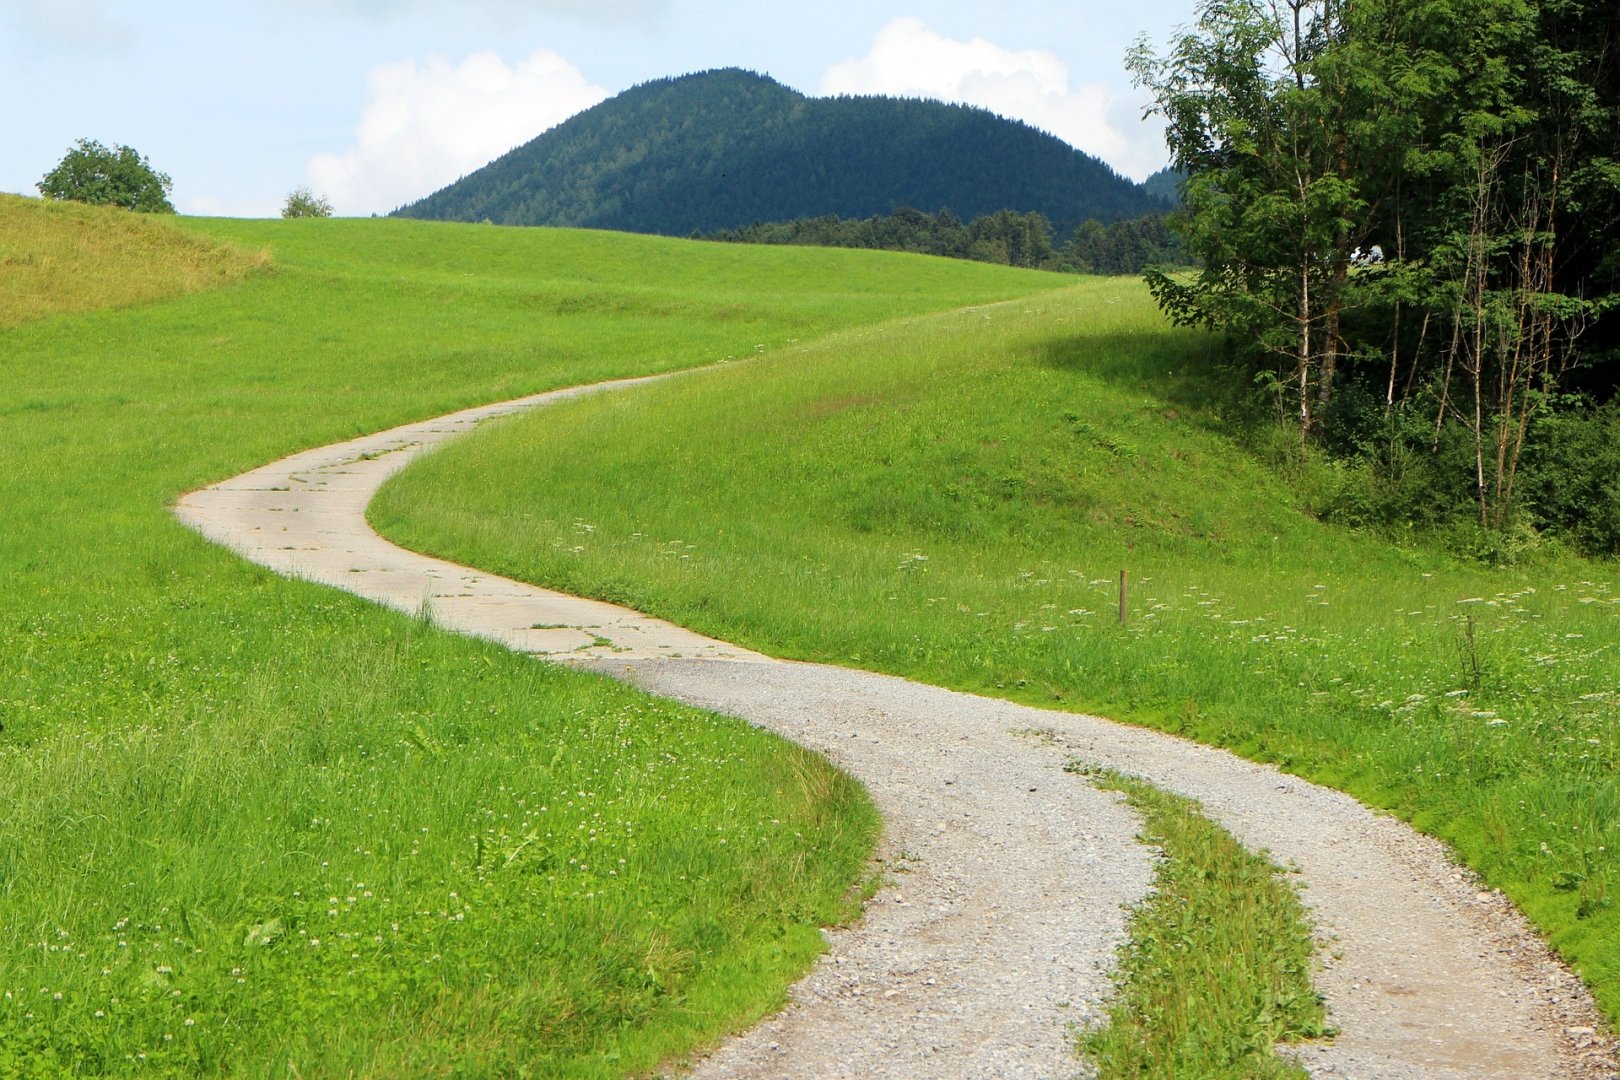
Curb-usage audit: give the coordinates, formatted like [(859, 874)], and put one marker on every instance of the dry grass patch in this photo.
[(60, 257)]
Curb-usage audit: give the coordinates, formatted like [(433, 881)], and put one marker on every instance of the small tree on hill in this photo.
[(302, 202), (115, 176)]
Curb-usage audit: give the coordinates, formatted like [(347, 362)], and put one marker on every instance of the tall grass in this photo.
[(57, 257), (953, 498), (256, 825)]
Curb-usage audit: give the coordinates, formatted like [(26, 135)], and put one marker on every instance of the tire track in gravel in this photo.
[(1008, 876)]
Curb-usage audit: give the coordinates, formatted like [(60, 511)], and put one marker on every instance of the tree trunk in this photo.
[(1306, 420)]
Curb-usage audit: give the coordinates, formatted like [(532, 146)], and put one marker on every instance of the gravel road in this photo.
[(1007, 876)]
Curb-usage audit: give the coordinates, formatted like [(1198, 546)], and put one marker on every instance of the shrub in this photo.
[(115, 176), (1571, 476), (302, 202)]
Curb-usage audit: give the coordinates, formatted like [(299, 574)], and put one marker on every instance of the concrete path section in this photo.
[(304, 516), (1008, 877)]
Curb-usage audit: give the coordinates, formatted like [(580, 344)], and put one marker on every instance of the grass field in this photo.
[(255, 825), (953, 498)]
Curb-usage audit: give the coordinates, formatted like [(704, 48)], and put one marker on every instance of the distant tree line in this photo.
[(1006, 237), (1406, 218)]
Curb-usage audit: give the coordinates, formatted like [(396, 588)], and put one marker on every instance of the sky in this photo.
[(376, 103)]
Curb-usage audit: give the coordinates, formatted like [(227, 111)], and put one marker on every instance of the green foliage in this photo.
[(117, 176), (1572, 481), (1217, 972), (1268, 211), (726, 149), (1123, 247), (1006, 237), (905, 229), (1401, 476), (302, 202), (208, 768), (1471, 144), (952, 498), (1011, 239)]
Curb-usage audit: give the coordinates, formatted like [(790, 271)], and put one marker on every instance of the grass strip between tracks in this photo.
[(1217, 971)]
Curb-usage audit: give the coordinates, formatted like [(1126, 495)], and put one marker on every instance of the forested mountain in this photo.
[(725, 149), (1165, 185)]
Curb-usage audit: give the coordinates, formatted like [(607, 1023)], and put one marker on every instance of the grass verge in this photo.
[(1217, 971)]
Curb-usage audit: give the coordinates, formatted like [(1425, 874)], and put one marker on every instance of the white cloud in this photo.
[(1032, 85), (424, 126)]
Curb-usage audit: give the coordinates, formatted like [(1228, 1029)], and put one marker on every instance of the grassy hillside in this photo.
[(953, 499), (57, 257), (258, 825)]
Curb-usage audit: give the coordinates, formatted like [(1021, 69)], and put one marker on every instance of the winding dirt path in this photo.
[(1009, 875)]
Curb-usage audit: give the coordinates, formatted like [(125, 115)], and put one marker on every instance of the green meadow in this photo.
[(256, 825), (952, 498)]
